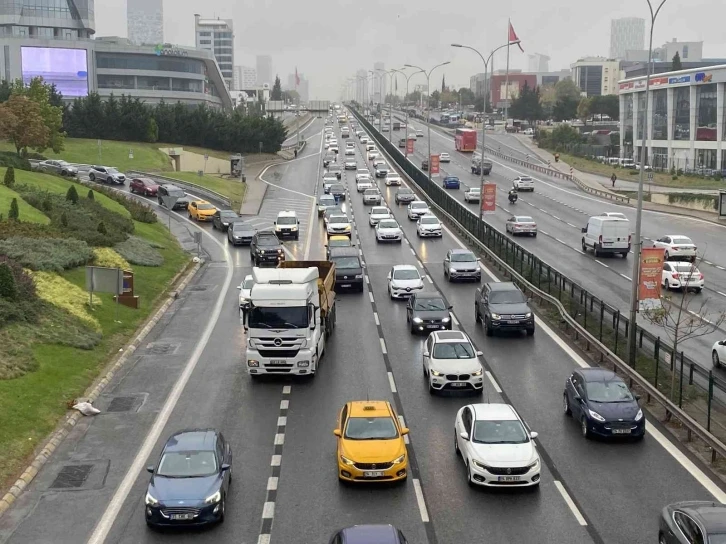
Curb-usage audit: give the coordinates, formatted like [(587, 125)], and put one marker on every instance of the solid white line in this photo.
[(602, 264), (276, 461), (268, 511), (720, 267), (561, 241), (281, 421), (102, 529), (279, 439), (368, 281), (545, 233), (420, 500), (722, 294), (429, 278), (419, 264), (392, 383), (383, 346), (574, 226), (565, 495), (284, 404), (626, 277), (375, 317), (412, 252), (272, 483), (286, 389), (494, 382), (280, 187), (370, 296)]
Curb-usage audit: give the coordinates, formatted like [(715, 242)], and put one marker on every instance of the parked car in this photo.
[(61, 168), (144, 186), (106, 174)]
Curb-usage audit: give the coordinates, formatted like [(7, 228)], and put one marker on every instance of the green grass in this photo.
[(27, 212), (234, 190), (33, 404)]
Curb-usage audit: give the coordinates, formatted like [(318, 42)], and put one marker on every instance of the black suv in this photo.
[(503, 306), (265, 248), (348, 268), (168, 189)]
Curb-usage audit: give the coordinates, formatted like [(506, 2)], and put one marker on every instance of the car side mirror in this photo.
[(239, 287), (451, 306), (533, 435), (479, 353), (426, 353), (584, 229), (225, 467), (337, 433), (150, 469), (404, 431), (464, 435)]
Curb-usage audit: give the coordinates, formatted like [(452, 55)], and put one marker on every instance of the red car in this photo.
[(144, 186)]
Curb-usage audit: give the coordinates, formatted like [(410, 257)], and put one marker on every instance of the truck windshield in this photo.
[(295, 317)]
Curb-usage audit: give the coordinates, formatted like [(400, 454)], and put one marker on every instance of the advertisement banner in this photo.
[(651, 273), (409, 146), (489, 199), (434, 165)]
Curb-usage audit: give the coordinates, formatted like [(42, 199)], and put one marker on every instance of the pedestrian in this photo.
[(613, 178)]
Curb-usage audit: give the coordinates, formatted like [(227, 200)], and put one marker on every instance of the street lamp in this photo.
[(383, 102), (428, 104), (404, 98), (632, 336)]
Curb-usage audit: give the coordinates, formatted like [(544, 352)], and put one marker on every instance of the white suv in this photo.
[(523, 183), (450, 362)]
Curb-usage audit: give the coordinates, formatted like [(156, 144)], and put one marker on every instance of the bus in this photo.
[(465, 139)]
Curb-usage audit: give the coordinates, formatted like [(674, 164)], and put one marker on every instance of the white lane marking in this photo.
[(554, 217), (561, 241), (573, 226), (287, 389), (284, 404), (420, 500), (402, 423), (102, 529), (281, 421), (454, 320), (545, 233), (392, 383), (280, 187), (722, 294), (264, 539), (568, 500), (429, 278), (368, 281), (268, 511), (272, 483), (419, 263), (626, 277), (494, 382), (720, 267), (276, 461), (375, 317), (412, 252), (602, 263), (370, 296), (279, 439), (383, 346)]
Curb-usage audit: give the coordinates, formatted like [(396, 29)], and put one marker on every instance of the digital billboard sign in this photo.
[(66, 68)]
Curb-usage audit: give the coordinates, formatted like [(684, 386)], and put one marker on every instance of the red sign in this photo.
[(409, 146), (489, 199), (626, 86), (651, 272), (434, 164), (659, 81)]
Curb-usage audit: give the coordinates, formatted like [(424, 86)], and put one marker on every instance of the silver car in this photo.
[(106, 174), (371, 196), (461, 264), (61, 168), (521, 224)]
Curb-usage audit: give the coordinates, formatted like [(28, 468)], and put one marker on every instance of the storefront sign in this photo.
[(678, 80), (626, 86), (639, 84), (658, 81), (170, 51), (703, 77), (651, 271), (489, 199)]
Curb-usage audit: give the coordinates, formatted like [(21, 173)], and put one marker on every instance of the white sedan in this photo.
[(718, 353), (388, 230), (350, 164), (373, 155), (393, 179), (497, 448), (444, 157), (428, 225), (678, 247), (521, 224), (245, 288), (362, 172), (416, 209), (377, 214), (473, 194), (363, 183), (349, 152), (404, 280), (682, 275)]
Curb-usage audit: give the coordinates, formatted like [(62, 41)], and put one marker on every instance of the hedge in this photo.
[(23, 306), (107, 257), (8, 158), (11, 229), (139, 211), (139, 251), (66, 295), (54, 254)]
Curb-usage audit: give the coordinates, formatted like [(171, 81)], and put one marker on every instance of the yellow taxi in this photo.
[(201, 210), (371, 447), (337, 240)]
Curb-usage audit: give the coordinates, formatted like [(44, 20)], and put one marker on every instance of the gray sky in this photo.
[(329, 41)]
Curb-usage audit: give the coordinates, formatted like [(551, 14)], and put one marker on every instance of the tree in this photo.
[(676, 63), (52, 115), (152, 131), (566, 88), (9, 180), (291, 96), (548, 99), (90, 195), (466, 96), (443, 84), (527, 105), (413, 97), (8, 287), (565, 109), (583, 109), (64, 220), (14, 213), (21, 123), (276, 92), (72, 194), (434, 98)]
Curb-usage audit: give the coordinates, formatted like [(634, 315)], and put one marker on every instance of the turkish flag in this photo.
[(513, 38)]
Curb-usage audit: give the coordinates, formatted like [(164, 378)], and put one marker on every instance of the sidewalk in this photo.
[(256, 189)]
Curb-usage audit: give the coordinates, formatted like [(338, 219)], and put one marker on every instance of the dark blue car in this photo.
[(451, 182), (369, 534), (189, 484), (603, 405)]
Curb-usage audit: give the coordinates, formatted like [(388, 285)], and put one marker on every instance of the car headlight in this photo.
[(528, 315), (303, 364), (347, 227), (346, 461), (594, 415), (398, 460), (417, 320), (535, 464), (293, 228), (261, 251), (477, 373), (253, 363), (496, 316), (639, 415), (359, 276), (279, 251), (215, 498), (277, 228), (480, 464), (435, 372), (150, 500), (446, 320), (452, 269)]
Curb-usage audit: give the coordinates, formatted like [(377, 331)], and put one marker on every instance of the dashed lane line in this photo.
[(570, 503)]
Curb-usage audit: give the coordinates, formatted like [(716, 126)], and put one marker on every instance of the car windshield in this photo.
[(682, 240), (327, 201), (524, 219), (187, 464), (430, 304), (238, 227), (330, 178), (500, 432), (406, 274), (685, 268), (462, 258), (472, 191), (453, 350), (616, 214), (268, 241), (429, 221), (370, 428), (405, 192), (286, 221), (334, 167), (346, 262), (288, 317), (177, 193), (337, 188), (205, 206), (387, 224), (371, 192), (525, 179), (610, 391), (515, 296), (364, 178)]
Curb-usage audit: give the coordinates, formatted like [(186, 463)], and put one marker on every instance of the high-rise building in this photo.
[(59, 19), (245, 78), (145, 21), (537, 62), (626, 34), (264, 71), (360, 87), (379, 83), (217, 36)]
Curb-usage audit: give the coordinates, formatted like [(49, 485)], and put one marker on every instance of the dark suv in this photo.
[(168, 189), (348, 268), (503, 306), (265, 248)]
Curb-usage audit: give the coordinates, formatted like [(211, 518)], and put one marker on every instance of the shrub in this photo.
[(139, 211), (47, 204), (90, 195), (9, 180), (56, 254), (23, 305), (64, 294), (64, 220), (10, 159), (8, 289), (107, 257), (72, 194), (10, 229), (23, 282), (101, 228), (138, 251), (14, 213)]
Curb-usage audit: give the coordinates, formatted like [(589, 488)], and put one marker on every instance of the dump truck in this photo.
[(291, 317)]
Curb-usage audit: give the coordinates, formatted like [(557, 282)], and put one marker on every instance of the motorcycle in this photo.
[(513, 198)]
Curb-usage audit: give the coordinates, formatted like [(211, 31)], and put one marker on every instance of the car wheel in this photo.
[(488, 327), (698, 290), (390, 293), (530, 332), (469, 479), (715, 359), (190, 215), (662, 539), (222, 509), (228, 240), (431, 389), (92, 177), (584, 247), (584, 429), (566, 405)]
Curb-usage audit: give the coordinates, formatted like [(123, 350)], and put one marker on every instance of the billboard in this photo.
[(67, 69), (409, 146), (651, 270), (434, 165), (488, 199)]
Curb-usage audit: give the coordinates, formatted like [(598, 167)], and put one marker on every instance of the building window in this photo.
[(705, 160), (116, 82), (660, 115), (706, 113), (628, 124), (149, 62), (205, 34), (186, 85), (660, 158), (685, 52), (205, 42), (151, 83), (682, 114)]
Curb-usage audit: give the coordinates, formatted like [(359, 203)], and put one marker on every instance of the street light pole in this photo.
[(404, 99), (632, 336)]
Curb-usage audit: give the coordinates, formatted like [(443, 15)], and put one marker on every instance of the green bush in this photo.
[(10, 159), (54, 254), (24, 306), (24, 284), (10, 229), (14, 213), (139, 211), (102, 228), (8, 288), (90, 195), (72, 194), (9, 180), (138, 251)]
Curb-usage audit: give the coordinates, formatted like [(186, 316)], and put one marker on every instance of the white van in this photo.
[(606, 235)]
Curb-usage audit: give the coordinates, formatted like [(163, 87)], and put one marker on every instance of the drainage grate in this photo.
[(160, 348), (121, 404), (72, 476), (198, 288)]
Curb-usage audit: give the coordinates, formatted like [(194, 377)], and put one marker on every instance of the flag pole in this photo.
[(506, 77)]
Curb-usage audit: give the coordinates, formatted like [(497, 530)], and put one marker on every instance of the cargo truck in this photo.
[(291, 317)]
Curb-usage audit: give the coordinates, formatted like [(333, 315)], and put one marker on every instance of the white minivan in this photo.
[(606, 235)]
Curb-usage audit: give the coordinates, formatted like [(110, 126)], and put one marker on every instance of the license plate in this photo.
[(278, 362), (622, 431), (458, 384), (432, 326), (182, 517), (373, 473), (513, 322), (509, 478), (346, 285)]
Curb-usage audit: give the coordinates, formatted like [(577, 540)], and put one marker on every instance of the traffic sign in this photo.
[(169, 201)]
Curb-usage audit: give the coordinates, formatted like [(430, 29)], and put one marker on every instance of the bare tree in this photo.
[(686, 317)]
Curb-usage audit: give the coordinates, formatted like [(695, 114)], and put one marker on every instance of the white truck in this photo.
[(291, 317)]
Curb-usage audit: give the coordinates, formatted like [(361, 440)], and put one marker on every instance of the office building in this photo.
[(245, 78), (217, 36), (517, 80), (686, 126), (538, 62), (596, 76), (145, 21), (626, 34), (478, 83), (60, 19), (379, 83), (264, 71)]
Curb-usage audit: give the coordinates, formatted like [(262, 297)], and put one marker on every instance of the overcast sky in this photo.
[(329, 40)]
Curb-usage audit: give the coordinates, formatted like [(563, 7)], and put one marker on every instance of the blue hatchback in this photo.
[(451, 182)]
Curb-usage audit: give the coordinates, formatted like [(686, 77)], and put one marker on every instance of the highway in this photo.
[(561, 210), (591, 491)]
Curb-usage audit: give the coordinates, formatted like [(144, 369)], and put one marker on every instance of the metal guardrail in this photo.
[(550, 285), (198, 189)]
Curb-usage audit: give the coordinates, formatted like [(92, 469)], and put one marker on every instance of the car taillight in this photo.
[(700, 275), (675, 275)]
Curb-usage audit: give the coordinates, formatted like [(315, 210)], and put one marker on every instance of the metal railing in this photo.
[(592, 320)]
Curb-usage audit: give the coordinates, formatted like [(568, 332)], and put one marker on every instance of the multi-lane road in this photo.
[(191, 373), (561, 210)]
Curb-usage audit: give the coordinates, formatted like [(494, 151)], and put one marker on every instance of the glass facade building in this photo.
[(47, 19)]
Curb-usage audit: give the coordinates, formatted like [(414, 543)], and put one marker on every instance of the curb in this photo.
[(56, 437)]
